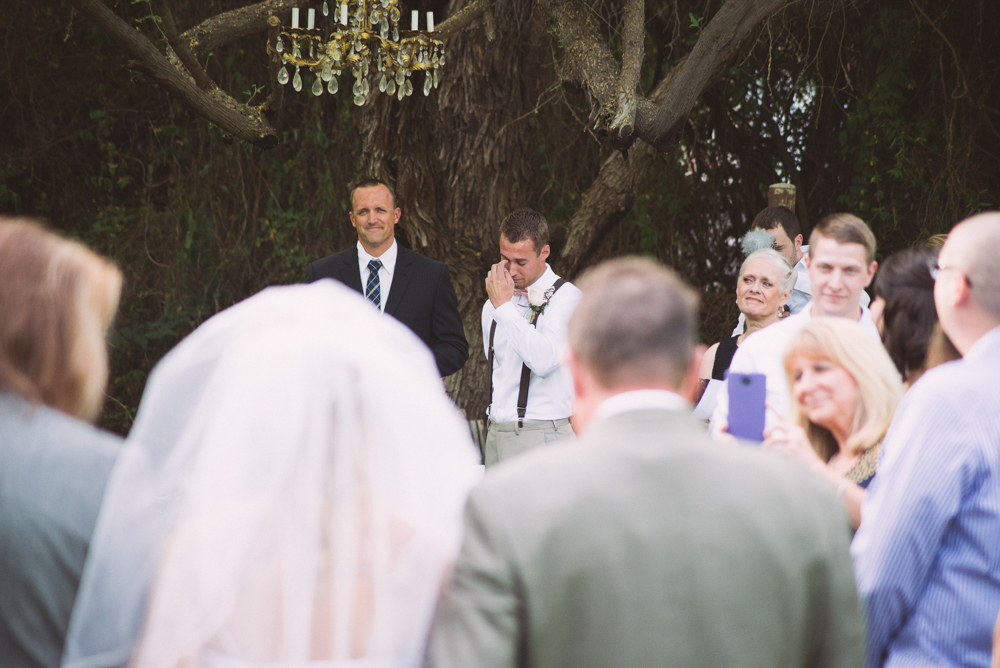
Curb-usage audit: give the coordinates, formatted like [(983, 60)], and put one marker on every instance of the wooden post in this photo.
[(781, 194)]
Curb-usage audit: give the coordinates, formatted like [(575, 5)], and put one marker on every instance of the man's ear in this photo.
[(544, 253), (353, 224), (397, 213), (798, 242), (689, 385), (872, 268)]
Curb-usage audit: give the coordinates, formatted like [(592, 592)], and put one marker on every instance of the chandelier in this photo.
[(363, 36)]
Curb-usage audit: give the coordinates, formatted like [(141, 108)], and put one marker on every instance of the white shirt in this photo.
[(801, 292), (640, 400), (763, 352), (542, 348), (388, 260)]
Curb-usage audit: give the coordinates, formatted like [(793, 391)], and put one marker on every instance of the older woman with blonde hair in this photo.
[(57, 300), (845, 390)]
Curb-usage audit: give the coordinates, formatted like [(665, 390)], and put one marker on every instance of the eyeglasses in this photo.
[(935, 269)]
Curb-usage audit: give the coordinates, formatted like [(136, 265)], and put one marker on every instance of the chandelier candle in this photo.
[(366, 39)]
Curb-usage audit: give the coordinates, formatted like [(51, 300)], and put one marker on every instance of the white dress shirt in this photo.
[(764, 352), (801, 292), (388, 260), (542, 348)]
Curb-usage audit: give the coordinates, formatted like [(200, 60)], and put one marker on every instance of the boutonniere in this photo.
[(537, 301)]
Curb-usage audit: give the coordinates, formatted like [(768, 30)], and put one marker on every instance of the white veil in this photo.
[(291, 490)]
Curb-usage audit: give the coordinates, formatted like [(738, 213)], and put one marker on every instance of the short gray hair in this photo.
[(786, 274), (636, 322)]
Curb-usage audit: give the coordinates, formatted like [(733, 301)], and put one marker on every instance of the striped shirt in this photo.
[(927, 555)]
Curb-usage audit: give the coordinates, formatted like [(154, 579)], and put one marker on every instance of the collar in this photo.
[(388, 258), (640, 400), (985, 342)]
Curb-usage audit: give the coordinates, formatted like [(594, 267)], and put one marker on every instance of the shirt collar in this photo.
[(640, 400), (388, 258), (985, 342)]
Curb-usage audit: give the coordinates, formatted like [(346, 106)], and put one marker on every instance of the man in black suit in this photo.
[(412, 288)]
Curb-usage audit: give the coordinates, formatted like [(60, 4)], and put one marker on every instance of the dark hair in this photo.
[(904, 282), (772, 216), (372, 182), (845, 228), (525, 224)]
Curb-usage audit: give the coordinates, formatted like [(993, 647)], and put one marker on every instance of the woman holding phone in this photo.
[(845, 390)]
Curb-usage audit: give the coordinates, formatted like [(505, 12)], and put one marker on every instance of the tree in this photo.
[(749, 92)]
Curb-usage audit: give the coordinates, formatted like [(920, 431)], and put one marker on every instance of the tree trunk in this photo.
[(461, 160)]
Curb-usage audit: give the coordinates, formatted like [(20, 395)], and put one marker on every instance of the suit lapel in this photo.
[(400, 279), (350, 273)]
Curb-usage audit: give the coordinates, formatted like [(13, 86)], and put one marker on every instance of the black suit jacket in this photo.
[(421, 297)]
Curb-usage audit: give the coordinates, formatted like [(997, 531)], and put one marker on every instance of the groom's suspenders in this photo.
[(522, 395)]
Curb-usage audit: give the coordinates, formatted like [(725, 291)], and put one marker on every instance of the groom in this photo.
[(410, 287)]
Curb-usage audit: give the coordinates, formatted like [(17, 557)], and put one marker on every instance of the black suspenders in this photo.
[(522, 395)]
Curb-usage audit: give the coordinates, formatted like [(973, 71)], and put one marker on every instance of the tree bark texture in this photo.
[(247, 123), (461, 160)]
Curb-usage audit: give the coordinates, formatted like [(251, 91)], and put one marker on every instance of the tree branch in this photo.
[(610, 196), (462, 19), (180, 47), (632, 50), (228, 27), (243, 121), (588, 62), (711, 56)]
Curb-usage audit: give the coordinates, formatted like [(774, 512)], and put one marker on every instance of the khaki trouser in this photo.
[(506, 439)]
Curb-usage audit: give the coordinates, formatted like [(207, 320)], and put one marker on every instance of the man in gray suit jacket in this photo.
[(646, 543)]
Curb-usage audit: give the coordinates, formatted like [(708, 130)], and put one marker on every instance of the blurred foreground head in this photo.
[(634, 328), (57, 299), (967, 280)]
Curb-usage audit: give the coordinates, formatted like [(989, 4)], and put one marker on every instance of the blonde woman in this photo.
[(57, 300), (845, 390)]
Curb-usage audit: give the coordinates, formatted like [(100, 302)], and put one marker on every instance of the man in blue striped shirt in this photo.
[(927, 555)]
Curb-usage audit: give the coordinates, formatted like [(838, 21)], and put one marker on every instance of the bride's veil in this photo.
[(291, 490)]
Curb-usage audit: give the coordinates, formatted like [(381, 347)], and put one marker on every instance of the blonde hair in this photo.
[(846, 344), (57, 299)]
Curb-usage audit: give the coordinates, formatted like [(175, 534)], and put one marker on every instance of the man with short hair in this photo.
[(841, 264), (524, 337), (644, 544), (784, 228), (412, 288), (927, 555)]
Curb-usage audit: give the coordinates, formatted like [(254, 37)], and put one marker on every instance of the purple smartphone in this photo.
[(746, 405)]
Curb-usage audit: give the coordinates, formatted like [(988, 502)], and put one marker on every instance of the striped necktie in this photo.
[(373, 291)]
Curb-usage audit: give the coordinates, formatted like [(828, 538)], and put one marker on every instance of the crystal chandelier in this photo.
[(362, 36)]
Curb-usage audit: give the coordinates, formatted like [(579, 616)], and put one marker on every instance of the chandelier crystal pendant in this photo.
[(365, 38)]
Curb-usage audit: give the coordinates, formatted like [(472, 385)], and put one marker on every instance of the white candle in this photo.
[(343, 14), (312, 18), (430, 21), (414, 20), (295, 18)]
